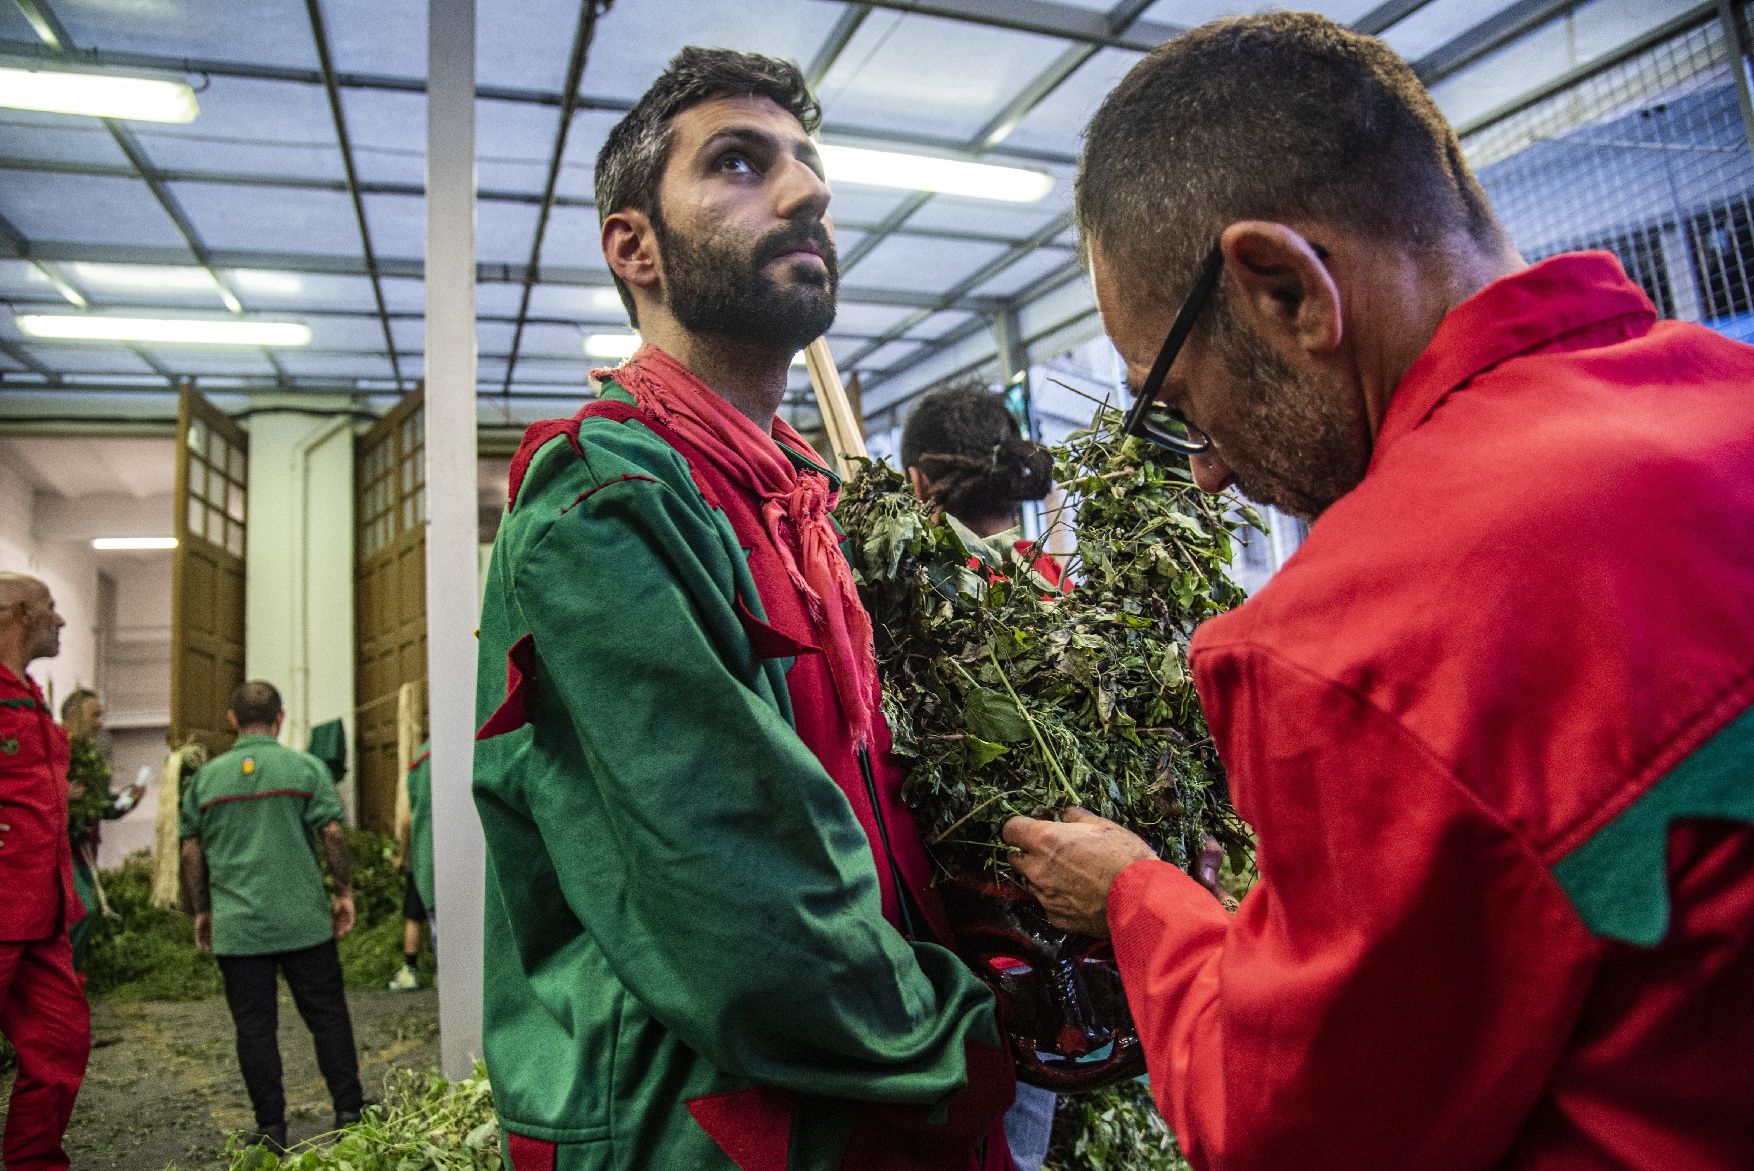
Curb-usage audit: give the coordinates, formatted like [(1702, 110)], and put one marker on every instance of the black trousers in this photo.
[(314, 976)]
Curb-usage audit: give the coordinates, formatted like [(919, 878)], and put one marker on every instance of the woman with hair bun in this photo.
[(962, 452)]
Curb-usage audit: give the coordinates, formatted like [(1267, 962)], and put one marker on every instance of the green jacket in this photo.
[(681, 904)]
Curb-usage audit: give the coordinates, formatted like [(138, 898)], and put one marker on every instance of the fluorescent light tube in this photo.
[(97, 95), (214, 332), (611, 345), (266, 283), (882, 168), (607, 300), (134, 543)]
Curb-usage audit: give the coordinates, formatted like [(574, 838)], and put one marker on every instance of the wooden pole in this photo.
[(846, 431)]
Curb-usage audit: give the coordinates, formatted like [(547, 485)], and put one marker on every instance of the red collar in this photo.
[(1529, 310)]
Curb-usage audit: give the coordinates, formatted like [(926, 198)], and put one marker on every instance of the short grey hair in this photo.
[(1285, 116)]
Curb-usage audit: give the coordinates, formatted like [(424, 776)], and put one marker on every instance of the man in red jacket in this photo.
[(1494, 722), (42, 1004)]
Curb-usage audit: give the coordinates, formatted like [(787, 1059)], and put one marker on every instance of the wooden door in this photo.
[(207, 577), (389, 596)]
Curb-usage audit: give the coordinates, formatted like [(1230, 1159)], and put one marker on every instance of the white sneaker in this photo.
[(404, 980)]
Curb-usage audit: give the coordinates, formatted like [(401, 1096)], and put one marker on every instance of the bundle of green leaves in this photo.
[(424, 1124), (87, 767), (1006, 699), (1116, 1128)]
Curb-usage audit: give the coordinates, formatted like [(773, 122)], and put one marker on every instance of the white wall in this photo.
[(137, 666), (298, 612), (67, 567)]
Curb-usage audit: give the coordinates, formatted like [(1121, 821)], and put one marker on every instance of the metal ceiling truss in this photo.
[(320, 35), (485, 273), (1115, 21), (518, 95), (1449, 58), (1066, 22), (1086, 32), (54, 35), (575, 71), (418, 191)]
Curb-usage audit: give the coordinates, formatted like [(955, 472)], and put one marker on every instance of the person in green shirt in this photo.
[(247, 821), (414, 857)]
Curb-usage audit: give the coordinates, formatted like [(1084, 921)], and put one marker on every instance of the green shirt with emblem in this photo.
[(254, 810)]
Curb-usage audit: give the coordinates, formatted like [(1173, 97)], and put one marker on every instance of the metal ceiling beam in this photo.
[(1116, 20), (411, 190), (967, 285), (1456, 54), (1386, 15), (384, 82), (12, 239), (486, 273), (320, 34), (25, 358), (1498, 30), (835, 45), (1068, 22), (1041, 287), (575, 75), (54, 34)]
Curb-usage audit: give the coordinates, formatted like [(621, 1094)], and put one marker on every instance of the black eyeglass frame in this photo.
[(1139, 422)]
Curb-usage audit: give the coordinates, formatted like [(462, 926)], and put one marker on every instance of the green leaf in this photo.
[(982, 752), (990, 715)]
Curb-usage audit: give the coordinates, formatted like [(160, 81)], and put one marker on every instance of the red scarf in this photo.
[(753, 461)]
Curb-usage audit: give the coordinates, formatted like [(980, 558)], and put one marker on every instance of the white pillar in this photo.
[(298, 578), (451, 592)]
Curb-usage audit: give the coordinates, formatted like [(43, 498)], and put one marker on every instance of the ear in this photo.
[(231, 718), (630, 245), (917, 480), (1287, 293)]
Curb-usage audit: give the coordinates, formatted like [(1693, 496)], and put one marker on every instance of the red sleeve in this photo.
[(1397, 988)]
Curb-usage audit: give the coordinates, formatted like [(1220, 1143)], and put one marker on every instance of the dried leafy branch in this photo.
[(1004, 699)]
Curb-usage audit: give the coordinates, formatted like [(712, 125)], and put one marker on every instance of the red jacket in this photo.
[(36, 863), (1462, 720)]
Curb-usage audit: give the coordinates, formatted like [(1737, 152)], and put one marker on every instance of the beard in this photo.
[(1307, 450), (712, 288)]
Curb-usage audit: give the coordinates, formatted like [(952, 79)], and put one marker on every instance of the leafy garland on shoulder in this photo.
[(1003, 700), (87, 766)]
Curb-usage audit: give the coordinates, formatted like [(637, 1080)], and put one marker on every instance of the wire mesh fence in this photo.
[(1649, 159)]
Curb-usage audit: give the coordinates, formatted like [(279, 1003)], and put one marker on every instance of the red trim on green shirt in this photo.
[(301, 793)]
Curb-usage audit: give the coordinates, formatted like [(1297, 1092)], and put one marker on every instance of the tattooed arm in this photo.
[(335, 853)]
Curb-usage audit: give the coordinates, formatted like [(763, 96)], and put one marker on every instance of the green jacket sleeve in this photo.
[(717, 865)]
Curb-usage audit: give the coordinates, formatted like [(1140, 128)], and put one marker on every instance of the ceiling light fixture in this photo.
[(882, 168), (97, 95), (170, 331), (607, 300), (158, 278), (133, 543)]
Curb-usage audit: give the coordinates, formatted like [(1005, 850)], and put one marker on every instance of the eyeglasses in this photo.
[(1151, 420)]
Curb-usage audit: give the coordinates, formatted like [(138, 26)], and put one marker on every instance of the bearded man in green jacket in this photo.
[(711, 939)]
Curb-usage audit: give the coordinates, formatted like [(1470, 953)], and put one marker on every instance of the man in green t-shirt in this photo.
[(247, 821)]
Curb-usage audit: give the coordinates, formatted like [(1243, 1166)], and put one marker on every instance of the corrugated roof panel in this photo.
[(285, 220), (84, 209)]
